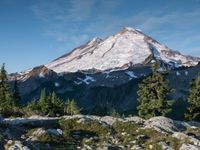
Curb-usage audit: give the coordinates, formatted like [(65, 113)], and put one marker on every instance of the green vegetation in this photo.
[(89, 128), (51, 105), (147, 138), (5, 96), (71, 107), (193, 112), (16, 95), (75, 133), (152, 96), (9, 102), (48, 104), (54, 142), (127, 131), (114, 113)]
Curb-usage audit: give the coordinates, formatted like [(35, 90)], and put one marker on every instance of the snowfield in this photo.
[(126, 48)]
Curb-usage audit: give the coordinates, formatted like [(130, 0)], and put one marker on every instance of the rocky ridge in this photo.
[(94, 132)]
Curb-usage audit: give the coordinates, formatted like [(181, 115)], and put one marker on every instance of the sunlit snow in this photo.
[(86, 80), (129, 46), (131, 74)]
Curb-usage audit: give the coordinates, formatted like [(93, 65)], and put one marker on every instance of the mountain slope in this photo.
[(111, 70), (127, 48)]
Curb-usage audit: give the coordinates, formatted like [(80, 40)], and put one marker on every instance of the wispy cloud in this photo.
[(78, 20), (63, 18), (80, 10)]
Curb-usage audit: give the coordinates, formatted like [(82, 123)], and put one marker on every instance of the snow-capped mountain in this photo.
[(127, 48), (110, 71)]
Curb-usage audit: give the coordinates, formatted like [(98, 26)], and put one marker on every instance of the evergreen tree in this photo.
[(152, 96), (49, 105), (115, 114), (43, 95), (72, 108), (193, 112), (15, 94), (5, 97), (44, 102), (57, 107), (33, 107)]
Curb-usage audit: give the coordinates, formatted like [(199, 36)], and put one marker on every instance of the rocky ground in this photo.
[(98, 133)]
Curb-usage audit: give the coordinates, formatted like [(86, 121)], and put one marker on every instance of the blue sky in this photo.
[(34, 32)]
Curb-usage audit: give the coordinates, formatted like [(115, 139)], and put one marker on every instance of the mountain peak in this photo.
[(129, 47), (95, 40), (129, 29)]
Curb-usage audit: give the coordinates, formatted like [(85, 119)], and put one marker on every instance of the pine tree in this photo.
[(57, 107), (115, 114), (33, 108), (193, 110), (5, 97), (15, 94), (44, 102), (72, 108), (152, 96)]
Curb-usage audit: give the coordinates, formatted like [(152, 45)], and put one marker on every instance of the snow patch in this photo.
[(87, 80), (41, 75), (107, 74), (56, 84), (26, 71), (139, 30), (153, 61), (178, 73), (186, 73), (143, 75), (130, 29), (131, 74), (161, 69), (78, 83)]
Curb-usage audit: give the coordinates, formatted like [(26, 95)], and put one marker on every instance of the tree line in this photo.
[(152, 97), (48, 103)]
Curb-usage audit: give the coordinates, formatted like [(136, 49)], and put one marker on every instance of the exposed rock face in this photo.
[(164, 146), (189, 147), (182, 136), (35, 120), (161, 124), (41, 131)]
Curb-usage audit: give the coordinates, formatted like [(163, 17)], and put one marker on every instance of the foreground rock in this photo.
[(94, 132), (189, 147)]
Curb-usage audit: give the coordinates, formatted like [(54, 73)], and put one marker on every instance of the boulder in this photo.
[(15, 145), (161, 124), (55, 132), (110, 120), (164, 146), (182, 137), (189, 147), (40, 131), (135, 119)]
